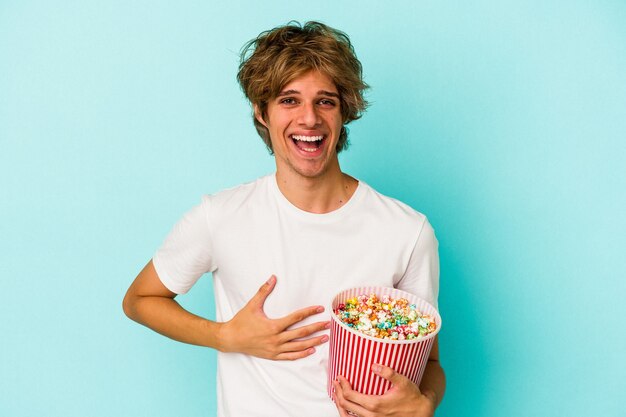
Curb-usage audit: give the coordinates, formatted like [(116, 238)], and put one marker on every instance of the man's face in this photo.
[(305, 122)]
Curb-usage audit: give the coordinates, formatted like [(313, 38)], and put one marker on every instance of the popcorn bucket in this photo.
[(352, 353)]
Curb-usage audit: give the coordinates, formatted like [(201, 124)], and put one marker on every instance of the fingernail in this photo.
[(320, 309), (376, 368), (324, 338), (311, 351), (327, 325)]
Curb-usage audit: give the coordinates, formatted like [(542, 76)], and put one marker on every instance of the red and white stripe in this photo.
[(352, 353)]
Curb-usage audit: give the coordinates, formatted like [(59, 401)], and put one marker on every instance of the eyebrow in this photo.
[(320, 93)]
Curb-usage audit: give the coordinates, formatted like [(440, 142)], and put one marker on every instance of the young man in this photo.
[(310, 228)]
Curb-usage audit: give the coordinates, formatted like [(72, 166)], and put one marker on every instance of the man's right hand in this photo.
[(251, 332)]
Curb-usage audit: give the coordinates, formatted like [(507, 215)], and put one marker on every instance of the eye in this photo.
[(288, 100), (327, 102)]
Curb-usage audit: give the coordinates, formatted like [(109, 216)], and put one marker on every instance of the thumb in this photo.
[(389, 374), (258, 300)]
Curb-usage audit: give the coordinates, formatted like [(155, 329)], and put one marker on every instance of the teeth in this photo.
[(307, 138)]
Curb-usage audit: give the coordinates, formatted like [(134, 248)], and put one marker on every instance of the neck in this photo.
[(322, 194)]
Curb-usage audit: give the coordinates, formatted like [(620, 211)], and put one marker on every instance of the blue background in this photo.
[(504, 122)]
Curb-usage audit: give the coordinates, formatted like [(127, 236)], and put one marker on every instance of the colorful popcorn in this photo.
[(385, 318)]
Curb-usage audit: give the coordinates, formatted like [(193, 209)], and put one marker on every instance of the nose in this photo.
[(309, 116)]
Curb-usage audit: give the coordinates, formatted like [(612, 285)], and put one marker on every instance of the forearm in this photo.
[(434, 381), (250, 331), (165, 316)]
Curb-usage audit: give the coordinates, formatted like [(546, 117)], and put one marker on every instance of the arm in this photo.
[(250, 331), (404, 398), (433, 382)]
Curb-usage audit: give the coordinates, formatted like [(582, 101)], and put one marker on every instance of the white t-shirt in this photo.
[(245, 234)]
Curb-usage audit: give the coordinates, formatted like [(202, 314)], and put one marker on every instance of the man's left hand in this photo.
[(404, 398)]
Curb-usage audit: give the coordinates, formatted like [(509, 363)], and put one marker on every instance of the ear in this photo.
[(258, 115)]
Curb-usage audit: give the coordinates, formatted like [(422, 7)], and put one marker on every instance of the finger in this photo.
[(342, 412), (366, 402), (339, 403), (292, 356), (304, 344), (299, 315), (258, 300), (389, 374), (342, 387), (304, 331)]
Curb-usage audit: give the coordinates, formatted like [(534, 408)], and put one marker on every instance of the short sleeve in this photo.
[(185, 255), (422, 274)]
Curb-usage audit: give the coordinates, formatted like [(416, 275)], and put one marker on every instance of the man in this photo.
[(310, 228)]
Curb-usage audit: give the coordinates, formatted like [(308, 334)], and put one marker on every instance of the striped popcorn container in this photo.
[(352, 353)]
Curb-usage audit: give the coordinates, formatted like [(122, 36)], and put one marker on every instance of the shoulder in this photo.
[(231, 198), (392, 209)]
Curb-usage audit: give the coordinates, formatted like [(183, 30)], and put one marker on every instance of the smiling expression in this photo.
[(304, 122)]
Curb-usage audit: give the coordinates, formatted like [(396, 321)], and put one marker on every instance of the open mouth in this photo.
[(308, 143)]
